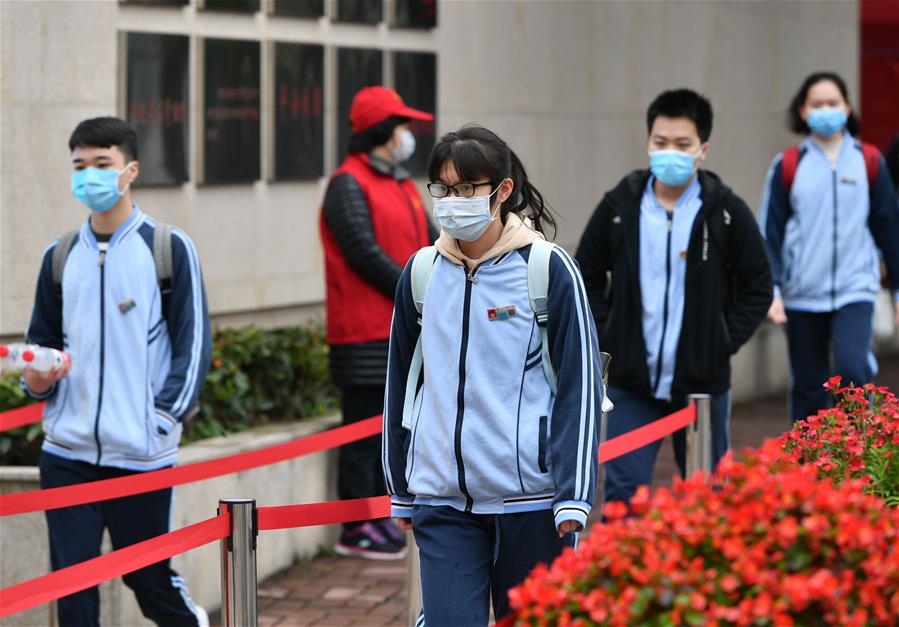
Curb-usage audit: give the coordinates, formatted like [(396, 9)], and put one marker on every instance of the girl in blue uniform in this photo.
[(828, 214), (490, 425)]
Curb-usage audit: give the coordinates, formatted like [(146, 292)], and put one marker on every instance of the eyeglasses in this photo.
[(464, 190)]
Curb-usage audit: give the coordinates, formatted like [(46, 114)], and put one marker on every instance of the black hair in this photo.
[(477, 153), (682, 103), (104, 133), (795, 122), (374, 136)]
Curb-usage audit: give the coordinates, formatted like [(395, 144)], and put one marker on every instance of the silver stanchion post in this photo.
[(239, 564), (604, 360), (699, 436)]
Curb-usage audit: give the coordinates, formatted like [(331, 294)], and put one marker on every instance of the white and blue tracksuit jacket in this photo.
[(487, 435), (135, 375), (823, 238)]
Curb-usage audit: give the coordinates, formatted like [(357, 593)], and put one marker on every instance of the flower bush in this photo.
[(765, 543), (857, 438)]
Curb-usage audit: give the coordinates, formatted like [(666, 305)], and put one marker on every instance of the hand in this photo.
[(896, 312), (404, 523), (569, 526), (39, 382), (778, 316)]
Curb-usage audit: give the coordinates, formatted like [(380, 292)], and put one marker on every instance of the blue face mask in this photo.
[(826, 121), (673, 167), (97, 188)]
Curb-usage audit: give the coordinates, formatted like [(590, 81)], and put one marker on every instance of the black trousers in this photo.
[(76, 533), (359, 471)]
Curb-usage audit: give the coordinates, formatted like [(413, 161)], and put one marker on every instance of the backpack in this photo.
[(162, 255), (538, 290), (790, 162)]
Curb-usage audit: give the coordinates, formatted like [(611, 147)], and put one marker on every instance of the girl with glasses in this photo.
[(490, 460)]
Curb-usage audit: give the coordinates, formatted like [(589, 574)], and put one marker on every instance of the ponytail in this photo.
[(526, 199)]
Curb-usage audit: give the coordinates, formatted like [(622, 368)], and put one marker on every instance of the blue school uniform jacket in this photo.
[(135, 375), (487, 434), (826, 234)]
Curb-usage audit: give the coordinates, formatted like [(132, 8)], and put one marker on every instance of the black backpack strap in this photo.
[(58, 260), (162, 255)]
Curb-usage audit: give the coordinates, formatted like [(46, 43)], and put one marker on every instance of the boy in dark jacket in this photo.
[(678, 280)]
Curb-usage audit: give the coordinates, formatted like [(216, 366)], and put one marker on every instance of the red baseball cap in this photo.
[(375, 104)]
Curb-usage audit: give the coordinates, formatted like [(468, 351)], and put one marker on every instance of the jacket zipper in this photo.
[(102, 353), (833, 266), (460, 397), (670, 215)]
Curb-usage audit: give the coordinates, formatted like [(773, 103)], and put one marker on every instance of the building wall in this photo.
[(565, 82)]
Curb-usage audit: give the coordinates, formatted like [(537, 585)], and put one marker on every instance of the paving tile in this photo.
[(342, 594), (384, 571), (272, 592), (301, 619)]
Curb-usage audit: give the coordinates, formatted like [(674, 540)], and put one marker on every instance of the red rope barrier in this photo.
[(26, 595), (53, 498), (60, 583), (290, 516), (21, 416), (638, 438)]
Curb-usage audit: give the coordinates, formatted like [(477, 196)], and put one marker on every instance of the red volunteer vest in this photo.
[(356, 311)]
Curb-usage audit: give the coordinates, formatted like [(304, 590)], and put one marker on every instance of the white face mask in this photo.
[(407, 146), (465, 218)]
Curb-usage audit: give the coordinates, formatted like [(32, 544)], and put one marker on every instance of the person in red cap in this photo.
[(371, 222)]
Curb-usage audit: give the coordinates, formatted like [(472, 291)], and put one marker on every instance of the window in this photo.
[(239, 6), (199, 101), (299, 8), (299, 123), (415, 13), (356, 68), (231, 111), (157, 104), (415, 78), (362, 11), (170, 3)]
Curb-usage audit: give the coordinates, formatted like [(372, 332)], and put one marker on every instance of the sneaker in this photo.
[(370, 542), (392, 530)]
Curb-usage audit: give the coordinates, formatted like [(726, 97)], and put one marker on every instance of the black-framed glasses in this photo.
[(463, 190)]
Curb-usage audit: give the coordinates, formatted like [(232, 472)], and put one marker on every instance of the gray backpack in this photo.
[(162, 255), (538, 290)]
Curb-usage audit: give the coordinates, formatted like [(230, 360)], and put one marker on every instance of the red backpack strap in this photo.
[(788, 164), (872, 162)]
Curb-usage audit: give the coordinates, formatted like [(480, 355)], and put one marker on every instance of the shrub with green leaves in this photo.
[(257, 376)]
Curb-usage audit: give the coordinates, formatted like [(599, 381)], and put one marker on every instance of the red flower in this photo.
[(614, 510)]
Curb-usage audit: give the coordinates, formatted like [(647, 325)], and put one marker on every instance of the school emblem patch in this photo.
[(501, 313)]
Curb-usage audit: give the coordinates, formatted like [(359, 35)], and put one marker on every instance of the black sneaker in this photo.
[(393, 531), (370, 542)]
